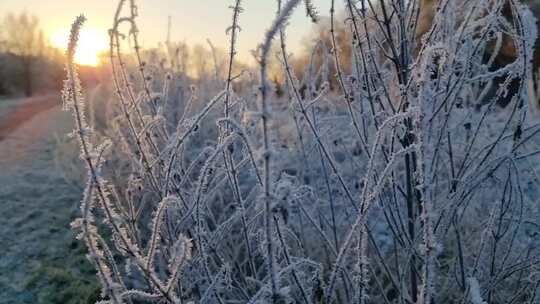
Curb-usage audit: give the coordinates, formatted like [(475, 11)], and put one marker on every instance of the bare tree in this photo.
[(24, 39)]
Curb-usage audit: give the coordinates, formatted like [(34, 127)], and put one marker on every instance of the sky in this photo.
[(193, 21)]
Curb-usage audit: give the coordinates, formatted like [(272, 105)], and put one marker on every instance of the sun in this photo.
[(92, 42)]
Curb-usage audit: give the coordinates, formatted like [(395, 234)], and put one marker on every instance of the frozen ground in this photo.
[(40, 261)]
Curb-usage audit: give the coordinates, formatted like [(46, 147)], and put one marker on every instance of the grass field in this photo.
[(41, 261)]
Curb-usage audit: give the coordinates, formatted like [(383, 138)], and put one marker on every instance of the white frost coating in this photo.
[(244, 203), (475, 292)]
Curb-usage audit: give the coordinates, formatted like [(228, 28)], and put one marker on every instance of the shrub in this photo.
[(405, 184)]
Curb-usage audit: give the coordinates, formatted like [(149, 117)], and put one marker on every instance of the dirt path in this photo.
[(40, 261), (23, 112)]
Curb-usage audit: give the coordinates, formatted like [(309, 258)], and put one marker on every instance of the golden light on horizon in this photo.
[(92, 42)]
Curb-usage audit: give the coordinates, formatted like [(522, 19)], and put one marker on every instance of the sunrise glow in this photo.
[(92, 43)]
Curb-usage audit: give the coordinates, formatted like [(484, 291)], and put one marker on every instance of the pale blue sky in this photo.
[(193, 21)]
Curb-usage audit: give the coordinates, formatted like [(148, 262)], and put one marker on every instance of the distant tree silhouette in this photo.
[(24, 39)]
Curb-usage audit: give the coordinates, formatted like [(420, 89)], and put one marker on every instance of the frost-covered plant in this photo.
[(406, 183)]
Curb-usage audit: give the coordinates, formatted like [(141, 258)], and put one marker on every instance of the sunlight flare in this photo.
[(92, 43)]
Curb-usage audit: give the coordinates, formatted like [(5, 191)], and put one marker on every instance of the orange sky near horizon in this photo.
[(192, 21)]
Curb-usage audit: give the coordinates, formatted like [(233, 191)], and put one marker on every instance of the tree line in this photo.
[(28, 64)]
